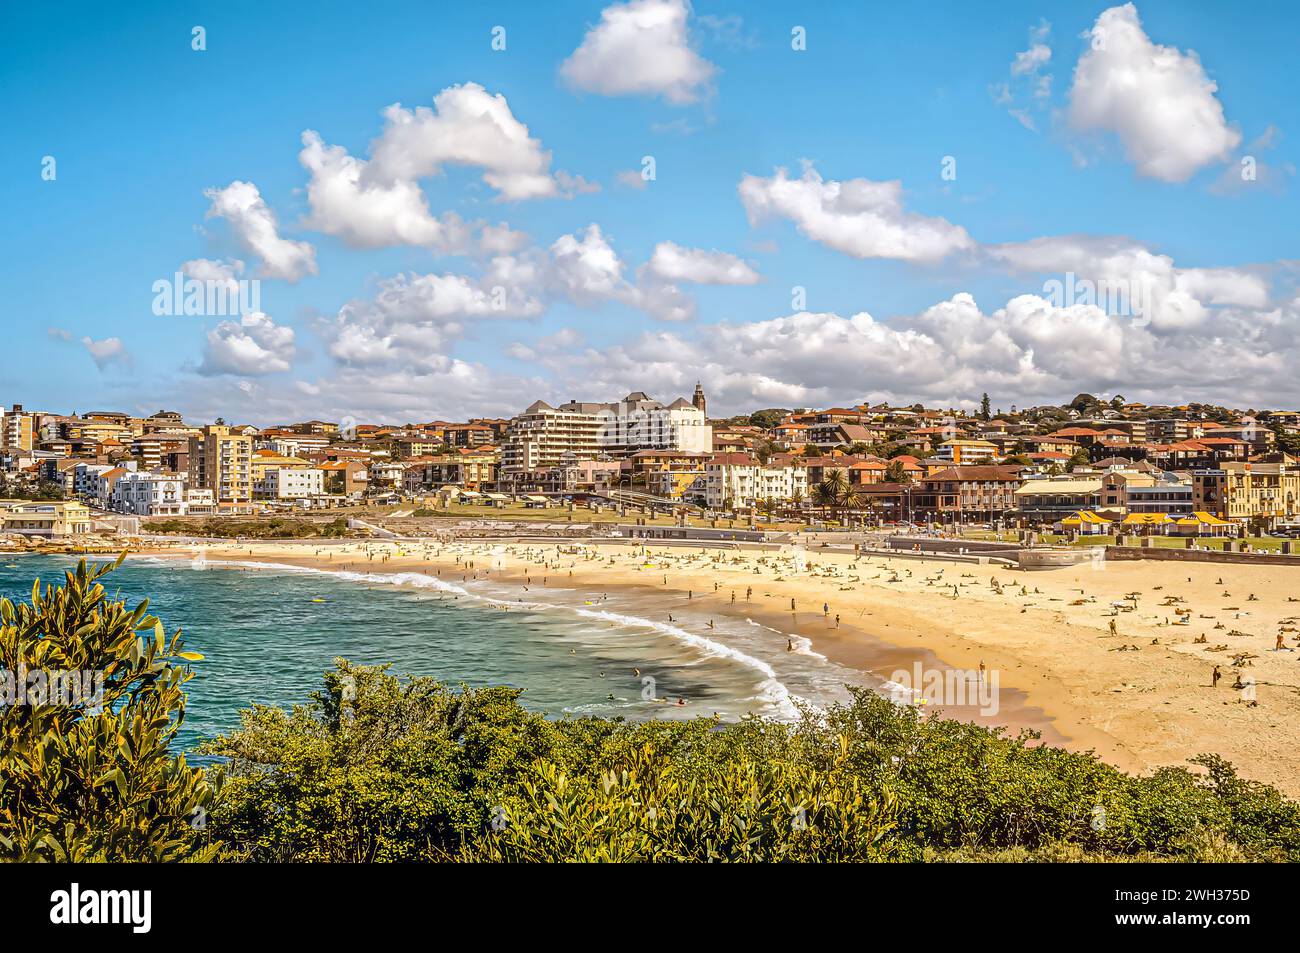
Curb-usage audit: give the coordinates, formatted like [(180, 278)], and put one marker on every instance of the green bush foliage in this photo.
[(90, 777), (376, 768)]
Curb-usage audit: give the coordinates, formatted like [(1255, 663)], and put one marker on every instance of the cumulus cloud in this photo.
[(1029, 350), (257, 231), (107, 352), (253, 345), (672, 262), (372, 214), (1147, 285), (640, 48), (471, 127), (379, 201), (208, 269), (859, 217), (1156, 99), (586, 269)]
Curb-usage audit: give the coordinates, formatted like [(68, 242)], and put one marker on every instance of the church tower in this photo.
[(698, 399)]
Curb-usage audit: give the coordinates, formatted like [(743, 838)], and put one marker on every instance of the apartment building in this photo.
[(264, 460), (737, 480), (345, 477), (16, 430), (542, 435), (290, 483), (468, 468), (149, 494), (220, 460), (969, 493), (966, 452), (1246, 492)]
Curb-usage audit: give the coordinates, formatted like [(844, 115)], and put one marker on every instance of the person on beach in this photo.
[(749, 591), (789, 645), (1215, 676)]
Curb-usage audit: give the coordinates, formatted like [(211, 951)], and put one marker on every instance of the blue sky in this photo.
[(1101, 142)]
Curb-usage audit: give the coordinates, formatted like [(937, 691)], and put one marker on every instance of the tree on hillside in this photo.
[(767, 419), (984, 408), (896, 472)]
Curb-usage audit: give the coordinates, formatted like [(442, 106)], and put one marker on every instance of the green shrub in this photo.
[(90, 777)]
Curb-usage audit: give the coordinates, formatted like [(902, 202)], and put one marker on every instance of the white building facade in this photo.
[(543, 436), (735, 480), (149, 494), (290, 483)]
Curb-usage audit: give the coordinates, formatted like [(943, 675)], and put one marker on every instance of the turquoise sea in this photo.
[(265, 639)]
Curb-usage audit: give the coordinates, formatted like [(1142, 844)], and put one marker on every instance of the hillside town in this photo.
[(1090, 467)]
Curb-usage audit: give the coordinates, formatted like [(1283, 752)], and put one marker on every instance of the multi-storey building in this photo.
[(220, 460), (737, 480), (149, 494), (16, 430), (1267, 493), (964, 452), (290, 483), (969, 493), (541, 436)]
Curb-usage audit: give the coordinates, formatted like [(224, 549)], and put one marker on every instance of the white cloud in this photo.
[(1173, 299), (106, 352), (253, 345), (208, 269), (501, 239), (371, 214), (632, 179), (1026, 352), (257, 231), (587, 269), (859, 217), (1156, 99), (1029, 87), (467, 126), (672, 262), (640, 48)]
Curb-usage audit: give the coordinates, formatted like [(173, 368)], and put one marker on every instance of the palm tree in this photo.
[(834, 491), (824, 497)]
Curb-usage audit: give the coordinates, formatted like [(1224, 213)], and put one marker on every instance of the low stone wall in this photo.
[(1199, 556), (1055, 558)]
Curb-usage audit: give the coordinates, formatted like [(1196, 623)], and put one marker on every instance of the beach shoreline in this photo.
[(1141, 698)]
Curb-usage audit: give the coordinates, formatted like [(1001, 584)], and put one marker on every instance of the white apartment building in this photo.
[(290, 483), (543, 435), (150, 494), (85, 479), (738, 480)]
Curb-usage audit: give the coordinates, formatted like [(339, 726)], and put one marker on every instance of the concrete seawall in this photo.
[(1199, 556)]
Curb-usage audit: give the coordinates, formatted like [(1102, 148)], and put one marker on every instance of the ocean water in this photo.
[(268, 633)]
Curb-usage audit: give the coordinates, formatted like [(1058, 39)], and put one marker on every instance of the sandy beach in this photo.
[(1140, 694)]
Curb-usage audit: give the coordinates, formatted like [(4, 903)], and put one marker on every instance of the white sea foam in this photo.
[(802, 646), (771, 693)]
